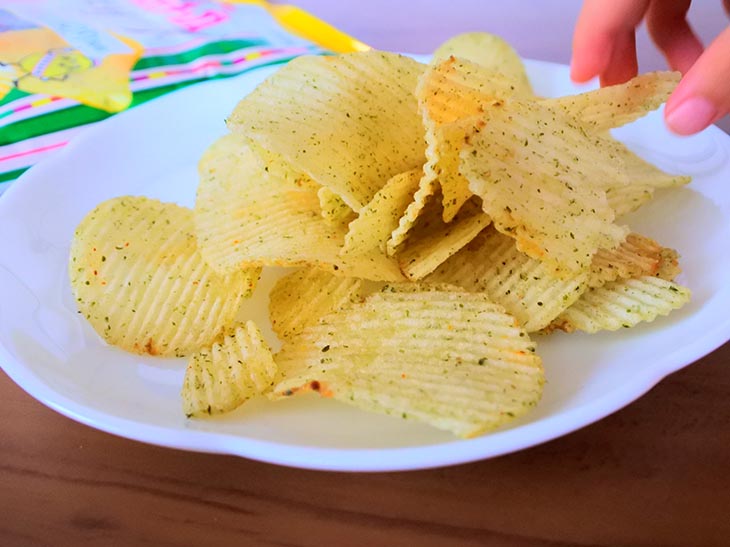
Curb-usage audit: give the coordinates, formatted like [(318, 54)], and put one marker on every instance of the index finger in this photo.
[(603, 37)]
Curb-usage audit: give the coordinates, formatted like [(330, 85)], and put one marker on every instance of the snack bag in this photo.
[(64, 65)]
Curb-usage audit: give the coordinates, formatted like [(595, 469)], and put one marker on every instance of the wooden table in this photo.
[(655, 473)]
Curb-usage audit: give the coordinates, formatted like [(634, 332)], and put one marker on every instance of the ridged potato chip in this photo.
[(433, 241), (623, 304), (370, 231), (427, 187), (233, 370), (532, 167), (524, 286), (644, 179), (444, 143), (350, 122), (251, 207), (449, 91), (254, 209), (458, 88), (334, 210), (616, 105), (300, 298), (138, 277), (635, 257), (628, 198), (641, 172), (489, 51), (448, 358), (668, 264)]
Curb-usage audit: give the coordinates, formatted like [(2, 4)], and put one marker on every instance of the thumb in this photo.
[(703, 95)]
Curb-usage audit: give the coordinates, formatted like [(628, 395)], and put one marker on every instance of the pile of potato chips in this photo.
[(433, 217)]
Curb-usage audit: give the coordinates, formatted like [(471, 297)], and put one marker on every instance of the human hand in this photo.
[(604, 45)]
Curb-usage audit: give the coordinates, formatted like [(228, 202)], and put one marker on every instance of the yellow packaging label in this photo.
[(39, 61), (306, 25)]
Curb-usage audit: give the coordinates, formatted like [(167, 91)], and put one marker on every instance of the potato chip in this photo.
[(458, 88), (448, 358), (533, 169), (300, 298), (253, 209), (644, 179), (334, 210), (373, 266), (370, 231), (623, 304), (350, 122), (637, 170), (617, 105), (628, 198), (489, 51), (641, 172), (668, 264), (449, 91), (233, 370), (444, 142), (522, 285), (635, 257), (138, 277), (427, 187), (454, 185), (433, 241)]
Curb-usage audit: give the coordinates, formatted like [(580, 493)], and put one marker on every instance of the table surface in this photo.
[(654, 473)]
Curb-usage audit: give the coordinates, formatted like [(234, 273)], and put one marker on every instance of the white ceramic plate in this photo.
[(50, 351)]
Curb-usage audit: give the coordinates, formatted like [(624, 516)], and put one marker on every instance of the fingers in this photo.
[(604, 45), (668, 27), (703, 95), (623, 64), (603, 42)]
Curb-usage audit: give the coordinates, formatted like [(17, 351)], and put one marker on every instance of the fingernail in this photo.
[(691, 115)]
